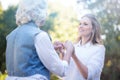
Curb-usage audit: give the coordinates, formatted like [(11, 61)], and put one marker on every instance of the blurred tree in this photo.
[(65, 23), (2, 51), (52, 14), (2, 42), (7, 24), (1, 14), (49, 22), (1, 10)]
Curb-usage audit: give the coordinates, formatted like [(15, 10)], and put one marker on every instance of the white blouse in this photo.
[(91, 56)]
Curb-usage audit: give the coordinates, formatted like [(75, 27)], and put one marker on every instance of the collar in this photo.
[(88, 44)]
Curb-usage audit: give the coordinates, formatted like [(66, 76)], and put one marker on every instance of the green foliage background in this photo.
[(62, 25)]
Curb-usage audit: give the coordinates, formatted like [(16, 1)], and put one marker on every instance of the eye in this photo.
[(79, 23), (85, 24)]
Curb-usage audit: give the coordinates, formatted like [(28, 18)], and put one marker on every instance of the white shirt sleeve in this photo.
[(48, 55), (96, 63)]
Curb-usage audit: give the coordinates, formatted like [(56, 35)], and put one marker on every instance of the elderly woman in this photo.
[(30, 54)]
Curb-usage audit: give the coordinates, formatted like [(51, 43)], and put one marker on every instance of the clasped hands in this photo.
[(64, 48)]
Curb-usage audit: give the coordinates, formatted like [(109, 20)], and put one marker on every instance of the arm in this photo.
[(69, 50), (82, 68), (96, 63), (94, 66), (48, 55)]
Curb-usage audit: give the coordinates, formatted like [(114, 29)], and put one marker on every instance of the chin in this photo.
[(81, 34)]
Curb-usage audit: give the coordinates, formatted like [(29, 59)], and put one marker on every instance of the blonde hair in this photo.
[(31, 10), (96, 30)]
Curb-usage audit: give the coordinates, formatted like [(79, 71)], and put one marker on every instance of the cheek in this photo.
[(88, 31), (79, 29)]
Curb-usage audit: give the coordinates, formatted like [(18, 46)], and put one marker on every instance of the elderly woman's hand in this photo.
[(58, 46)]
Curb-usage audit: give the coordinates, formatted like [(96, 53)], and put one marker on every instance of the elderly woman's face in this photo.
[(85, 27)]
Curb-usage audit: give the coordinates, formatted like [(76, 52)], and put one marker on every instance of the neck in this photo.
[(84, 40)]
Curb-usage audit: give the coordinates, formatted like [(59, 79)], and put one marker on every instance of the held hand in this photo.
[(69, 50), (69, 46), (59, 47)]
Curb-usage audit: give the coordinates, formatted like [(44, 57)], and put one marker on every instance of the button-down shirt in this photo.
[(92, 56), (49, 58)]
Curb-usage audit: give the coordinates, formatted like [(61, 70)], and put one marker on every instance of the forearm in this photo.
[(67, 55), (69, 51), (48, 55), (82, 68)]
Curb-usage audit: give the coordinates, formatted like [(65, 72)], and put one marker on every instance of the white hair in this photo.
[(31, 10)]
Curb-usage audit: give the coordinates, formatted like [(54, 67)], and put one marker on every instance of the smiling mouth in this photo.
[(82, 30)]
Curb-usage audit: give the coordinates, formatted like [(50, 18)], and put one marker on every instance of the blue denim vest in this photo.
[(21, 56)]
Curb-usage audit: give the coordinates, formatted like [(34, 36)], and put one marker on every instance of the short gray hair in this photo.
[(31, 10)]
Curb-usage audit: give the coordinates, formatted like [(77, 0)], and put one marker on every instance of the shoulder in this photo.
[(100, 47), (12, 33), (42, 34)]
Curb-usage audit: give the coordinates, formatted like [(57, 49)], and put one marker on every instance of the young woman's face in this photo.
[(85, 27)]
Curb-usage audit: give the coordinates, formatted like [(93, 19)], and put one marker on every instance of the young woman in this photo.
[(88, 58)]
